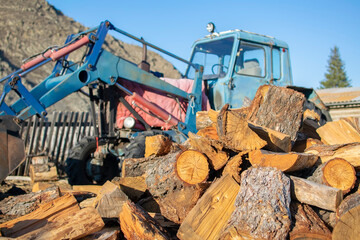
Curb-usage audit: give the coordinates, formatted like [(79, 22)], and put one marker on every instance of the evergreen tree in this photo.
[(336, 75)]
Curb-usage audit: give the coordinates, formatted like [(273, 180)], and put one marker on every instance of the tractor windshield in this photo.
[(214, 56)]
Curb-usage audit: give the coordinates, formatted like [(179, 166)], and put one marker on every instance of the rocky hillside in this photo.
[(29, 27)]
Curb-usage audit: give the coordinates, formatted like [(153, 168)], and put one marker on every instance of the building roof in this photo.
[(339, 96)]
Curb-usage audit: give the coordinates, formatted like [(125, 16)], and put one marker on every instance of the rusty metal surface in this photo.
[(339, 95)]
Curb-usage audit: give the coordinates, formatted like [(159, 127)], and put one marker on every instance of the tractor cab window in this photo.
[(214, 56), (250, 60)]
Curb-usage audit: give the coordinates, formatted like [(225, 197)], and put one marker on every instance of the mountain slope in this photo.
[(29, 27)]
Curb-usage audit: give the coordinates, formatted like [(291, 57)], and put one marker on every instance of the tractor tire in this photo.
[(79, 158)]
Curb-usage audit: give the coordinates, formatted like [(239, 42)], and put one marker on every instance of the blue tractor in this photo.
[(226, 67)]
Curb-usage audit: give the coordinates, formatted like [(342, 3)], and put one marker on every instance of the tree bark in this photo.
[(315, 194), (337, 173), (135, 223), (262, 206), (286, 162), (48, 212), (24, 204), (277, 108), (212, 212), (307, 224)]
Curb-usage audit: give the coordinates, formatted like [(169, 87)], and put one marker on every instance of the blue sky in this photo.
[(310, 27)]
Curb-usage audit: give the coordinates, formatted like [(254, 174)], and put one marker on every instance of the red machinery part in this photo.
[(55, 55)]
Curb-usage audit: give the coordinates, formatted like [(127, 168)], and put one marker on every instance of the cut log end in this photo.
[(192, 167), (340, 174)]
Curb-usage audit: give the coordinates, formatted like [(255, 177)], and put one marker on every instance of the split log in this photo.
[(157, 145), (48, 212), (351, 201), (338, 132), (276, 141), (307, 224), (43, 172), (353, 121), (174, 197), (135, 223), (203, 120), (212, 212), (133, 187), (209, 132), (301, 145), (104, 234), (77, 225), (277, 108), (262, 206), (109, 201), (87, 188), (234, 132), (192, 167), (286, 162), (337, 173), (350, 152), (315, 194), (24, 204), (347, 226), (233, 167), (211, 148)]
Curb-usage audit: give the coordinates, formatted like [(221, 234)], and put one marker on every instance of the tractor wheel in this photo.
[(78, 164)]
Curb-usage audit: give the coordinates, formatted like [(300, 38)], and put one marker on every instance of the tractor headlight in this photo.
[(210, 27), (129, 122)]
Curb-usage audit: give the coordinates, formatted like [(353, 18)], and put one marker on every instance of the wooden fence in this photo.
[(53, 136)]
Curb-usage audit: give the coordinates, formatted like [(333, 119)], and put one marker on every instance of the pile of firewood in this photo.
[(272, 170)]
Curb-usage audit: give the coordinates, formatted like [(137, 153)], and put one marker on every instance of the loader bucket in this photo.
[(12, 149)]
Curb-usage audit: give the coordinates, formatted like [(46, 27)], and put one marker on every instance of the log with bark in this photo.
[(278, 108), (315, 194), (262, 206), (192, 167), (307, 224), (174, 197), (213, 149), (337, 173), (157, 145), (286, 162), (234, 131), (136, 223), (212, 212), (350, 152), (338, 132), (24, 204), (348, 218), (47, 212)]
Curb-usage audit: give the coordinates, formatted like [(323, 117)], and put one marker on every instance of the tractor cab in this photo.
[(236, 63)]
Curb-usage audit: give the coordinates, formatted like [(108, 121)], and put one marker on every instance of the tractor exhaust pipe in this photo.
[(12, 148)]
